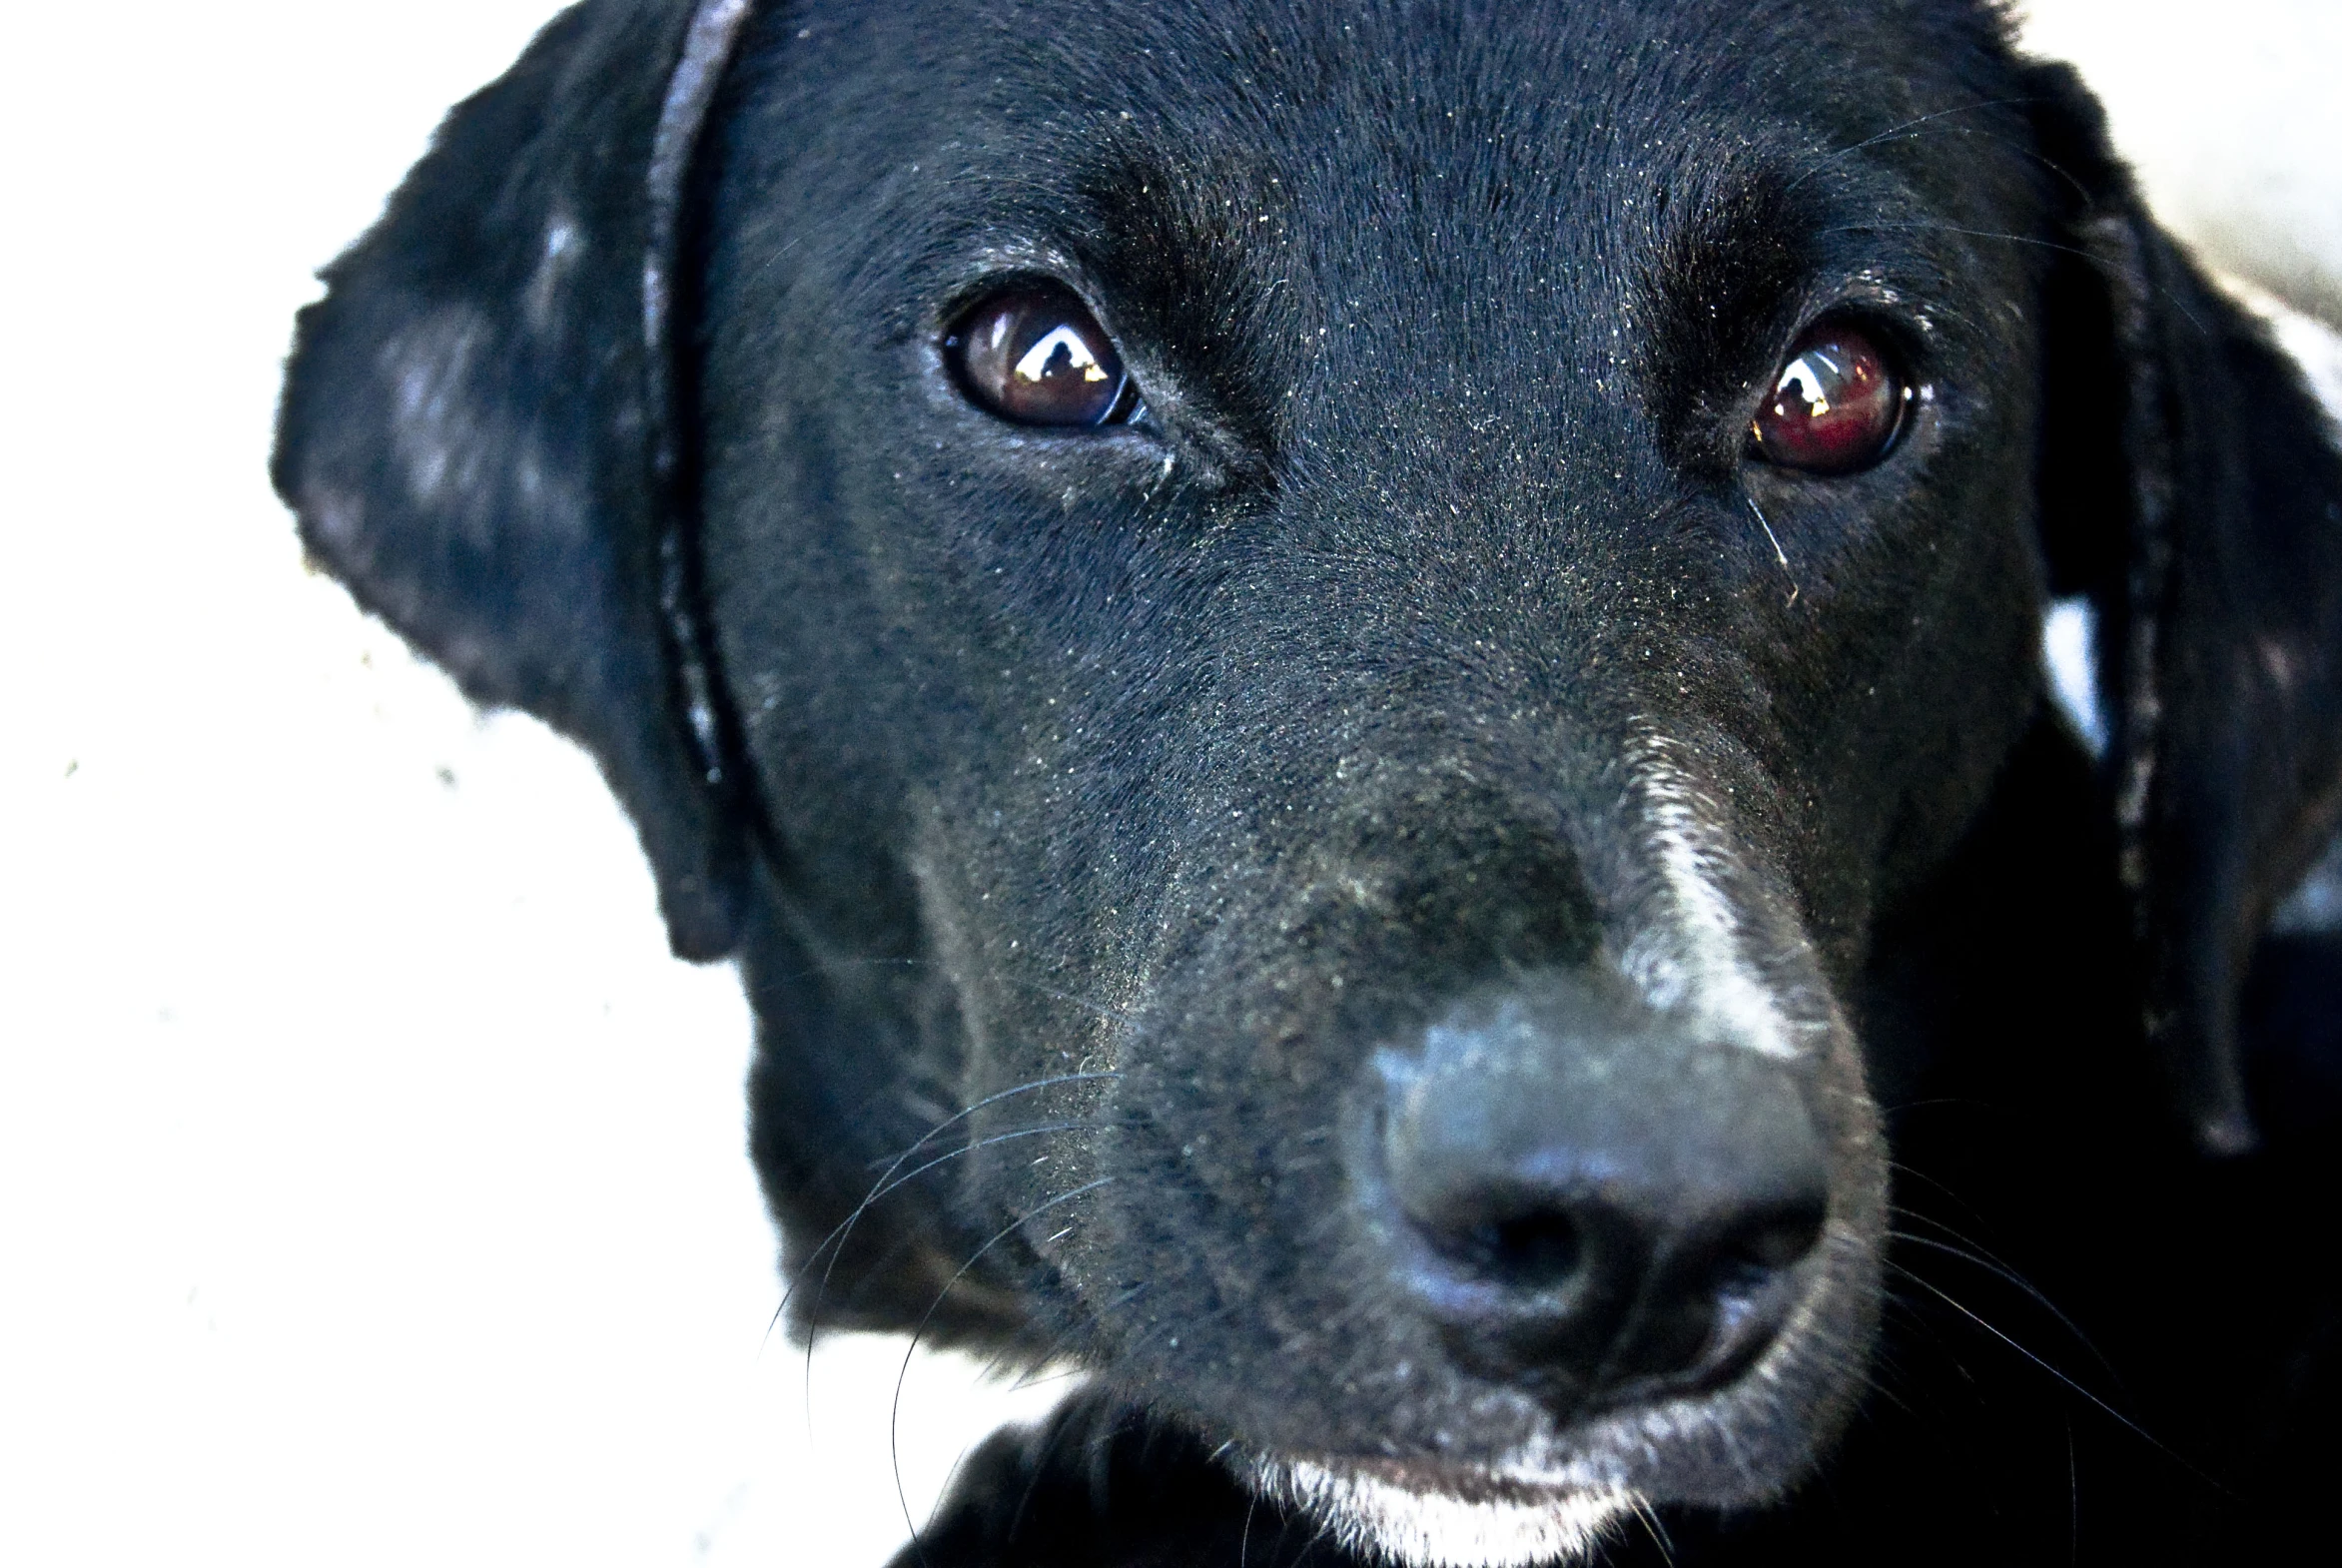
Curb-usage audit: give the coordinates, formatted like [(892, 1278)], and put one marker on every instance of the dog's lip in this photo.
[(1519, 1482), (1432, 1514), (1471, 1483)]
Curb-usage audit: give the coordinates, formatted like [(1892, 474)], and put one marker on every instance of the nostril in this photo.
[(1538, 1251), (1722, 1303), (1753, 1253), (1534, 1250)]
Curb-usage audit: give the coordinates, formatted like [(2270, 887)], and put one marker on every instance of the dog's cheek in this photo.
[(1961, 683), (1894, 706), (1844, 1324)]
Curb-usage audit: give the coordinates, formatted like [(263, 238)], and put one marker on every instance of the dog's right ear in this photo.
[(2192, 489), (477, 426)]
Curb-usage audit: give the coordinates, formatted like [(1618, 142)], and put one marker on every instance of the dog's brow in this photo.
[(1733, 250)]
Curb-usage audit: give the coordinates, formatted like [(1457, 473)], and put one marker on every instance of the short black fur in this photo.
[(1105, 820)]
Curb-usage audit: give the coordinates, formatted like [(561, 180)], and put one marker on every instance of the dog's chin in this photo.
[(1424, 1516)]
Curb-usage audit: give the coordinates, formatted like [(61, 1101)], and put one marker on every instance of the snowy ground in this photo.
[(371, 1186)]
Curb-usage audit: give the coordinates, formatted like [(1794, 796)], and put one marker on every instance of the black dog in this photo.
[(1360, 685)]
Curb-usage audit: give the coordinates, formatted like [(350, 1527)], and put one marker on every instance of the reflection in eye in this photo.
[(1034, 355), (1038, 366), (1808, 377)]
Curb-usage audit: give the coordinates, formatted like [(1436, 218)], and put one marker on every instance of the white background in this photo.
[(372, 1186)]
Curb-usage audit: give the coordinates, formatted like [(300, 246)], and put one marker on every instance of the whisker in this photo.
[(1936, 1103), (1884, 226), (844, 1228), (2003, 1271), (1325, 1529), (2096, 261), (895, 1412), (887, 1187), (1927, 123), (1778, 553), (1656, 1529), (1944, 1188), (1034, 1380), (820, 1290), (2124, 1421), (1009, 1136), (1905, 129), (1043, 1359), (834, 1243), (1054, 1346)]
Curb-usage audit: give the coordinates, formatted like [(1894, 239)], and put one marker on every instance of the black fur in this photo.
[(1086, 809)]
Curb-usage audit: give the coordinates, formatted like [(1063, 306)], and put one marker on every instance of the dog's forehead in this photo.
[(1297, 161), (1463, 93)]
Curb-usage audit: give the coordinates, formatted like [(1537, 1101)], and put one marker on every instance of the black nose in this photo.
[(1598, 1205)]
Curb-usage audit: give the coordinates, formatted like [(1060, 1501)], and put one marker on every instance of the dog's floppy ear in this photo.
[(477, 429), (2191, 488)]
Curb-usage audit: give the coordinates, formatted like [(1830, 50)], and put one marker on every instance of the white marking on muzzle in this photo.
[(1694, 959), (1367, 1515)]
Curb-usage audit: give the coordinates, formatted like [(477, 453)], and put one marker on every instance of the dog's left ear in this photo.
[(2192, 487), (479, 428)]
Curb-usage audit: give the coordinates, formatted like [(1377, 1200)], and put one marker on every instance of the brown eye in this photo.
[(1034, 355), (1835, 406)]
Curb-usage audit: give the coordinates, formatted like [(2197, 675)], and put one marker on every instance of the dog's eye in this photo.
[(1034, 355), (1836, 404)]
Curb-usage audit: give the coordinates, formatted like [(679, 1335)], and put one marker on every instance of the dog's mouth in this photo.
[(1430, 1515), (1553, 1489)]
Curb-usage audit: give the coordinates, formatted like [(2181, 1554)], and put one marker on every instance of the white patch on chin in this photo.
[(1370, 1516), (1694, 961)]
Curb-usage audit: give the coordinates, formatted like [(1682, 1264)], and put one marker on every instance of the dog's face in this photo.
[(1374, 740), (1323, 635)]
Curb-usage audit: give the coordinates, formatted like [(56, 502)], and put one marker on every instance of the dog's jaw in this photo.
[(1510, 1525)]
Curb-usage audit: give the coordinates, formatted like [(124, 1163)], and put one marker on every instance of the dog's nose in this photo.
[(1593, 1203)]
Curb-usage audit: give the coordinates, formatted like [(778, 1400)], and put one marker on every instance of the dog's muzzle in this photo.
[(1615, 1214)]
